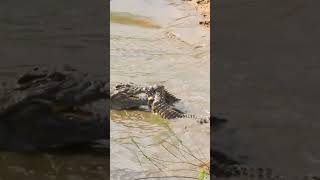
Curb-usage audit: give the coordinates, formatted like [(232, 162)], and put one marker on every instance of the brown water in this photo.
[(53, 32), (159, 42), (266, 71)]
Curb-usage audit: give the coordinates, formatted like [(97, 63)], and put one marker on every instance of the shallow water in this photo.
[(159, 42), (52, 33)]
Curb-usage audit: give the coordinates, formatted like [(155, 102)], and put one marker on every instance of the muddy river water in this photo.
[(159, 42)]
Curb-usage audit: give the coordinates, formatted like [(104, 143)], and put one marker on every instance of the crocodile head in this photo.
[(131, 96), (128, 96), (53, 109)]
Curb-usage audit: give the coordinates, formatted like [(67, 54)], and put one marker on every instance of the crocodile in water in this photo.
[(161, 102)]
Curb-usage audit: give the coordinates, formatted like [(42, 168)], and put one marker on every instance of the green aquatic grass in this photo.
[(168, 140), (132, 20), (139, 116), (202, 174)]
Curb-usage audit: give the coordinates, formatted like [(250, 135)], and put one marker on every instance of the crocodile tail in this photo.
[(166, 111), (201, 120), (169, 112), (160, 104), (236, 170)]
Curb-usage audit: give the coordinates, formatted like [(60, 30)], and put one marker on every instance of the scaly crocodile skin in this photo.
[(162, 105)]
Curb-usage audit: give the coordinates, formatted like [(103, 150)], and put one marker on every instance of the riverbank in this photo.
[(203, 7)]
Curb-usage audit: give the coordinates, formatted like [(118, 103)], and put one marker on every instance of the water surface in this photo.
[(159, 42)]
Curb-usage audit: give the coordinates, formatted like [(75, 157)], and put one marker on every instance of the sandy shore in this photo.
[(203, 6)]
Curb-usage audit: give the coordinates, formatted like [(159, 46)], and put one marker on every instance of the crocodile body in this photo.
[(132, 96), (161, 102)]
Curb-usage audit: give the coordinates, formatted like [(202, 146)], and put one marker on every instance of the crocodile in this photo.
[(131, 96), (127, 96), (158, 100), (225, 167), (161, 102), (52, 108)]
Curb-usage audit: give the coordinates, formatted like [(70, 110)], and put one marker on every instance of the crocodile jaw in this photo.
[(123, 101)]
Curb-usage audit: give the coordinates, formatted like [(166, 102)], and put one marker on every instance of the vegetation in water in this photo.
[(166, 139)]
